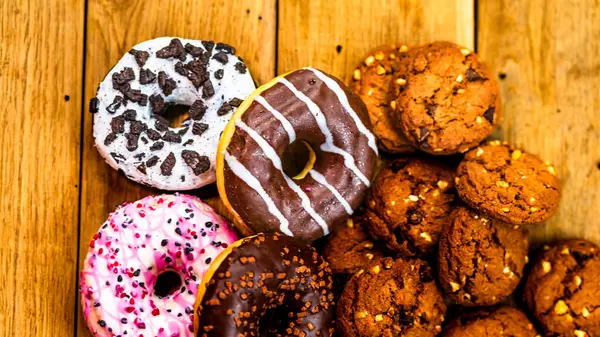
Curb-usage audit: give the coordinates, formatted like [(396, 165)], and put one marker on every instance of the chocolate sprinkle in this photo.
[(137, 127), (180, 69), (147, 76), (240, 67), (423, 134), (188, 142), (110, 138), (139, 156), (132, 141), (116, 104), (117, 157), (208, 90), (219, 74), (224, 109), (124, 76), (221, 57), (489, 114), (157, 146), (208, 45), (161, 124), (196, 72), (157, 103), (431, 109), (140, 56), (152, 161), (166, 84), (199, 164), (193, 50), (153, 134), (174, 49), (166, 168), (183, 131), (134, 95), (142, 168), (94, 102), (197, 110), (235, 102), (199, 128), (172, 137), (129, 115), (225, 47), (117, 124), (472, 75)]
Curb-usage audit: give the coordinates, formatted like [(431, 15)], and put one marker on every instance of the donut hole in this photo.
[(298, 158), (167, 283), (176, 114)]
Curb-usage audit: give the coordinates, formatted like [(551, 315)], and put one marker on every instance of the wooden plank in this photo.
[(40, 65), (113, 28), (546, 55), (335, 35)]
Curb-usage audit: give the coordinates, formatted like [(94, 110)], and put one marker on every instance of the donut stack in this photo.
[(327, 238)]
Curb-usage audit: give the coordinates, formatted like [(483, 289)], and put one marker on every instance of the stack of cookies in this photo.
[(434, 232)]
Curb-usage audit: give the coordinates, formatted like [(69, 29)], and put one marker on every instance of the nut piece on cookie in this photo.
[(350, 248), (566, 297), (447, 100), (391, 298), (480, 260), (408, 205), (493, 322), (508, 184), (372, 81)]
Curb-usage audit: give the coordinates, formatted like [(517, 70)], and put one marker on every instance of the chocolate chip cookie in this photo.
[(391, 298), (480, 260), (372, 80), (350, 248), (409, 203), (508, 184), (493, 322), (447, 101), (563, 289)]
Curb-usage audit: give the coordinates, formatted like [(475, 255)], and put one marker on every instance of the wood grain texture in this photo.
[(547, 57), (41, 58), (113, 28), (311, 31)]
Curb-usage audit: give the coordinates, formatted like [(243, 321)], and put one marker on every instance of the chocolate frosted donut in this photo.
[(306, 107), (130, 128), (266, 285)]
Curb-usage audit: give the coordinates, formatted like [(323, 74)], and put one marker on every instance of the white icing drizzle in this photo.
[(328, 146), (242, 172), (339, 92), (272, 155), (318, 177), (284, 122)]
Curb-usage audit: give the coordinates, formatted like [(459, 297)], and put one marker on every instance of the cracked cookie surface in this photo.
[(503, 321), (563, 289), (391, 298), (409, 203), (350, 248), (480, 260), (508, 184), (447, 101), (372, 80)]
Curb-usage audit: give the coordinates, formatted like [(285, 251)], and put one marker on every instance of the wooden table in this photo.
[(55, 190)]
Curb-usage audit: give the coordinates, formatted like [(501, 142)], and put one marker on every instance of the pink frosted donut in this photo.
[(145, 264)]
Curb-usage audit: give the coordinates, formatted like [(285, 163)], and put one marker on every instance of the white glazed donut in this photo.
[(129, 259), (130, 132)]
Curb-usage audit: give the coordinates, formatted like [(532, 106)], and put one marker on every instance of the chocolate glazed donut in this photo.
[(305, 106), (266, 285)]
